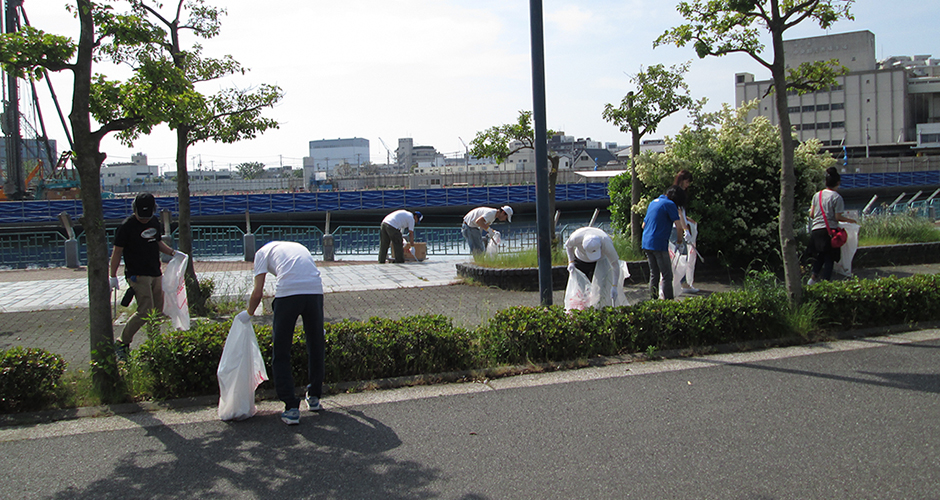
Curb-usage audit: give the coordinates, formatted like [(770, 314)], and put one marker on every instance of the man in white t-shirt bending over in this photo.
[(478, 221), (299, 292), (394, 225)]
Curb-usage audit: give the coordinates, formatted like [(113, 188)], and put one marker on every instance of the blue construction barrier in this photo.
[(18, 212)]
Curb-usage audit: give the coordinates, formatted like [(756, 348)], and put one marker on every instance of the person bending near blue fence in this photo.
[(394, 226), (478, 221), (299, 293)]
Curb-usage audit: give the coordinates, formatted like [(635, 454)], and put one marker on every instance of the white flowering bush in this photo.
[(735, 192)]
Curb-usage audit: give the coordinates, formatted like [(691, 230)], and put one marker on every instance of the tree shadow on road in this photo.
[(336, 454)]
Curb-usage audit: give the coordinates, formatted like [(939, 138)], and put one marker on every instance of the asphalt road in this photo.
[(842, 420)]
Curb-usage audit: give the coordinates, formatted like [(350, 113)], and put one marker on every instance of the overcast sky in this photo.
[(441, 70)]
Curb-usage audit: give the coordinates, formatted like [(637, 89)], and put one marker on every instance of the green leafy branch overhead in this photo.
[(502, 141)]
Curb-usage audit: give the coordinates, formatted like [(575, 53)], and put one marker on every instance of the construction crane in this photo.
[(466, 148), (388, 157)]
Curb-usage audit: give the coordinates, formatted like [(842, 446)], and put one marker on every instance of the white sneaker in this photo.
[(811, 282), (313, 403), (690, 290)]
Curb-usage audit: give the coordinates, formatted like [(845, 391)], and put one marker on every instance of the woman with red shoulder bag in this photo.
[(826, 212)]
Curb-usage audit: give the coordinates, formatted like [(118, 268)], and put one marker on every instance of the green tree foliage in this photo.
[(660, 93), (734, 196), (250, 169), (128, 107), (719, 27), (500, 142), (230, 115)]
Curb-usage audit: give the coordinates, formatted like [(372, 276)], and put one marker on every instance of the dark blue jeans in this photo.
[(286, 311)]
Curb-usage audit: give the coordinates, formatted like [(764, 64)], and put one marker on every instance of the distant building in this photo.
[(327, 154), (567, 145), (877, 108), (404, 154), (593, 159), (133, 173)]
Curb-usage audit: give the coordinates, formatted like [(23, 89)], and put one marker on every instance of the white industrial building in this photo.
[(129, 174)]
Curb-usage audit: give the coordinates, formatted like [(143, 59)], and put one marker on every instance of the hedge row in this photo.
[(28, 378), (178, 364), (382, 348)]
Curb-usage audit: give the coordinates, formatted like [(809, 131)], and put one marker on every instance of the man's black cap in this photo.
[(144, 205)]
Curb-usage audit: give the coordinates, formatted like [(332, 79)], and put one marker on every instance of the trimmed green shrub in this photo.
[(381, 348), (530, 334), (885, 301), (29, 378), (183, 363)]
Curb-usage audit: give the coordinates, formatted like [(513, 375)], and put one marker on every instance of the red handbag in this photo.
[(838, 235)]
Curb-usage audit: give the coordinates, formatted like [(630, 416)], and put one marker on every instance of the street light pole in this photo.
[(542, 217)]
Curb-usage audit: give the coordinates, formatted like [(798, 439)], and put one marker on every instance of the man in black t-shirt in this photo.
[(138, 241)]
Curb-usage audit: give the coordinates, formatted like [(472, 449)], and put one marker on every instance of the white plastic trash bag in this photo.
[(576, 293), (175, 303), (492, 246), (241, 370), (683, 259), (844, 266), (605, 289)]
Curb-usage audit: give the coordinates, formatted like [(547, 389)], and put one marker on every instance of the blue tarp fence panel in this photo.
[(890, 179), (372, 200), (18, 212), (394, 198), (305, 202)]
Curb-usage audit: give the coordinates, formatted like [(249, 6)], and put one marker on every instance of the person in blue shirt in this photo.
[(661, 215)]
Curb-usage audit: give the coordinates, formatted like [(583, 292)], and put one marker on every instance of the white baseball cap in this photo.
[(592, 247), (508, 210)]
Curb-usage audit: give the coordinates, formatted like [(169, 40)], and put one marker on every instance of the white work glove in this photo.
[(571, 267), (243, 316), (115, 284), (177, 253)]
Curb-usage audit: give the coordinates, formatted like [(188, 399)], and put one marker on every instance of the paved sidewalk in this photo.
[(61, 288), (48, 308)]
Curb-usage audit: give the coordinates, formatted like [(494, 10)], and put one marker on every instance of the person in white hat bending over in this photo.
[(478, 221), (394, 225), (588, 246)]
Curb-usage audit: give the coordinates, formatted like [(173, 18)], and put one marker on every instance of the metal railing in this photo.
[(46, 248)]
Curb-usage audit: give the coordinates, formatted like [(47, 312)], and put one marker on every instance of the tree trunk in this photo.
[(88, 159), (788, 245), (636, 221), (193, 292)]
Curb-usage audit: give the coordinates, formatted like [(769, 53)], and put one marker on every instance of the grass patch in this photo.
[(524, 258), (896, 229), (626, 250), (529, 257)]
